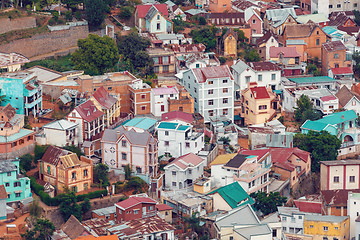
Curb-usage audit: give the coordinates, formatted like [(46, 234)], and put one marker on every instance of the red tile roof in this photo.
[(202, 74), (307, 206), (142, 10), (259, 153), (342, 70), (88, 111), (104, 98), (133, 201), (259, 92), (187, 160), (328, 98), (264, 66), (337, 197), (288, 52), (281, 155), (286, 165), (177, 115), (163, 207)]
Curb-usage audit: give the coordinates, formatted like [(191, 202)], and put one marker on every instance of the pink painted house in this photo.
[(252, 17)]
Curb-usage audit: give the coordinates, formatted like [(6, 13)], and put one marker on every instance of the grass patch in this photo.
[(60, 64), (11, 14), (20, 34)]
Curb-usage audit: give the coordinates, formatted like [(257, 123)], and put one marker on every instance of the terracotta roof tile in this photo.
[(337, 197), (342, 70), (266, 37), (9, 111), (187, 160), (163, 207), (143, 9), (188, 48), (259, 92), (88, 111), (104, 98), (73, 228), (300, 30), (339, 20)]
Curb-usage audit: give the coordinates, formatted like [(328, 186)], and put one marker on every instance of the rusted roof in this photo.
[(70, 160), (266, 37), (8, 110), (98, 225), (300, 30), (3, 193), (88, 111), (104, 98), (264, 66), (73, 228), (340, 20), (337, 197), (334, 46), (53, 154), (242, 4), (226, 18), (188, 48), (308, 206), (203, 74), (349, 30)]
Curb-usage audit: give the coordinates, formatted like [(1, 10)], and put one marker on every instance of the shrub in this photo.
[(222, 60), (68, 15), (51, 22), (78, 15)]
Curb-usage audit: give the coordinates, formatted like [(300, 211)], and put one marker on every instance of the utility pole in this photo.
[(6, 145)]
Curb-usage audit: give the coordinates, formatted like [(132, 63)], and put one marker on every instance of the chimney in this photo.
[(118, 134), (11, 56), (254, 94)]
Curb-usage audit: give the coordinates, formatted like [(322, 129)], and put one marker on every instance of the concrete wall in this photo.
[(46, 42), (7, 25)]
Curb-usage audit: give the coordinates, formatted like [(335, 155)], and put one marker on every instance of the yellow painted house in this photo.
[(108, 104), (230, 43), (257, 104), (327, 227), (202, 185)]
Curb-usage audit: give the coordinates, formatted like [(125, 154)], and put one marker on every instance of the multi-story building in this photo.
[(185, 103), (334, 55), (335, 202), (140, 96), (22, 91), (264, 43), (343, 174), (17, 186), (195, 60), (276, 20), (164, 60), (11, 62), (265, 74), (66, 133), (219, 6), (300, 46), (108, 104), (158, 22), (258, 104), (63, 169), (182, 172), (138, 148), (90, 121), (177, 139), (160, 97), (292, 220), (212, 89), (353, 202)]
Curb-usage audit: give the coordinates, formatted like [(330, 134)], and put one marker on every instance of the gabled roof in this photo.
[(61, 124), (259, 92), (163, 207), (7, 166), (288, 52), (316, 18), (334, 46), (243, 215), (308, 206), (337, 197), (133, 201), (9, 111), (88, 111), (188, 48), (264, 66), (138, 138), (151, 13), (142, 10), (349, 30), (103, 98), (185, 161), (345, 95), (342, 70), (177, 115), (241, 66), (300, 30), (53, 154), (230, 31), (236, 18), (242, 4), (340, 20), (281, 156), (223, 159), (73, 228), (332, 119), (266, 37), (203, 74), (237, 161), (234, 195), (277, 14), (259, 152)]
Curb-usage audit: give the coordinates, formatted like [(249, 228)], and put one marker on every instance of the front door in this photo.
[(144, 211)]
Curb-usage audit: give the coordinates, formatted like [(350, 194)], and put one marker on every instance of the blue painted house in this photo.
[(17, 186), (22, 90), (156, 22), (340, 124)]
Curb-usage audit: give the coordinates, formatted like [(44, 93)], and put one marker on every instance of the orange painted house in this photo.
[(333, 55), (220, 6), (140, 96)]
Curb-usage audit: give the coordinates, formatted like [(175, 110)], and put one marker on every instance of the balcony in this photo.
[(252, 174), (347, 144)]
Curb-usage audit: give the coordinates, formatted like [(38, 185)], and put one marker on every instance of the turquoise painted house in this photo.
[(17, 186), (22, 90), (156, 22), (340, 124)]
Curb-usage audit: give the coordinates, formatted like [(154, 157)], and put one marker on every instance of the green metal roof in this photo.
[(332, 119), (314, 125), (233, 194), (183, 128), (319, 79), (22, 133), (168, 125)]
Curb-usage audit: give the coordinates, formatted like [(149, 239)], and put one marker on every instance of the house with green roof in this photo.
[(178, 139), (340, 124), (229, 197), (319, 82)]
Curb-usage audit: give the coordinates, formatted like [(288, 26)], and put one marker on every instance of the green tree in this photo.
[(127, 172), (74, 149), (125, 13), (35, 210), (101, 173), (142, 59), (70, 207), (267, 202), (312, 69), (205, 35), (3, 98), (225, 140), (202, 21), (194, 222), (39, 152), (26, 161), (42, 230), (222, 60), (321, 145), (241, 35), (357, 17), (85, 205), (251, 55), (305, 110), (356, 58), (95, 54), (95, 12)]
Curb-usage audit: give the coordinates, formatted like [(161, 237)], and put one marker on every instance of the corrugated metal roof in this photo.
[(61, 124), (105, 211), (70, 160), (53, 154), (203, 74), (139, 138)]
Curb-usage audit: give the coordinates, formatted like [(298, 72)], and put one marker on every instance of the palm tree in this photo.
[(2, 98)]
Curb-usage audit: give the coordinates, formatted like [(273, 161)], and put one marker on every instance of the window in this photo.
[(173, 173), (330, 6), (336, 55), (136, 211), (73, 114), (338, 5), (17, 194), (284, 229), (225, 100), (166, 143), (247, 78), (225, 81), (300, 217), (336, 228), (9, 173), (161, 96), (174, 184), (211, 113), (123, 143), (273, 77), (317, 42), (123, 156), (225, 111), (143, 96), (73, 175), (211, 102), (143, 108), (190, 171), (336, 179), (331, 107), (336, 65), (211, 82), (7, 184), (187, 145), (195, 89), (259, 78), (197, 65), (225, 90), (352, 178), (325, 238), (85, 173), (326, 228), (274, 233), (166, 133), (262, 107), (283, 219), (311, 226), (17, 184), (210, 91), (355, 5), (293, 219), (231, 238), (162, 108), (158, 26)]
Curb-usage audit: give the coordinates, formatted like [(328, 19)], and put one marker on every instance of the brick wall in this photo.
[(46, 42), (7, 25)]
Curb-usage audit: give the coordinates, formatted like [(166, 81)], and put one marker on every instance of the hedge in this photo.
[(56, 201)]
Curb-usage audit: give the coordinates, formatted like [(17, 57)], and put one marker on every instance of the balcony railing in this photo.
[(347, 144), (255, 173)]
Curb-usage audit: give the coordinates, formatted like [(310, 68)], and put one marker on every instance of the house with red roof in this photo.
[(309, 206), (166, 211), (142, 10), (108, 104), (183, 171), (177, 117), (90, 120), (289, 59), (258, 104), (342, 73), (135, 207), (290, 164)]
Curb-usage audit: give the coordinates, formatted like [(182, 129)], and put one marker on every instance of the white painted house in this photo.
[(183, 171), (265, 74), (59, 133), (212, 89), (348, 100), (353, 210), (176, 139), (159, 99), (292, 220)]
